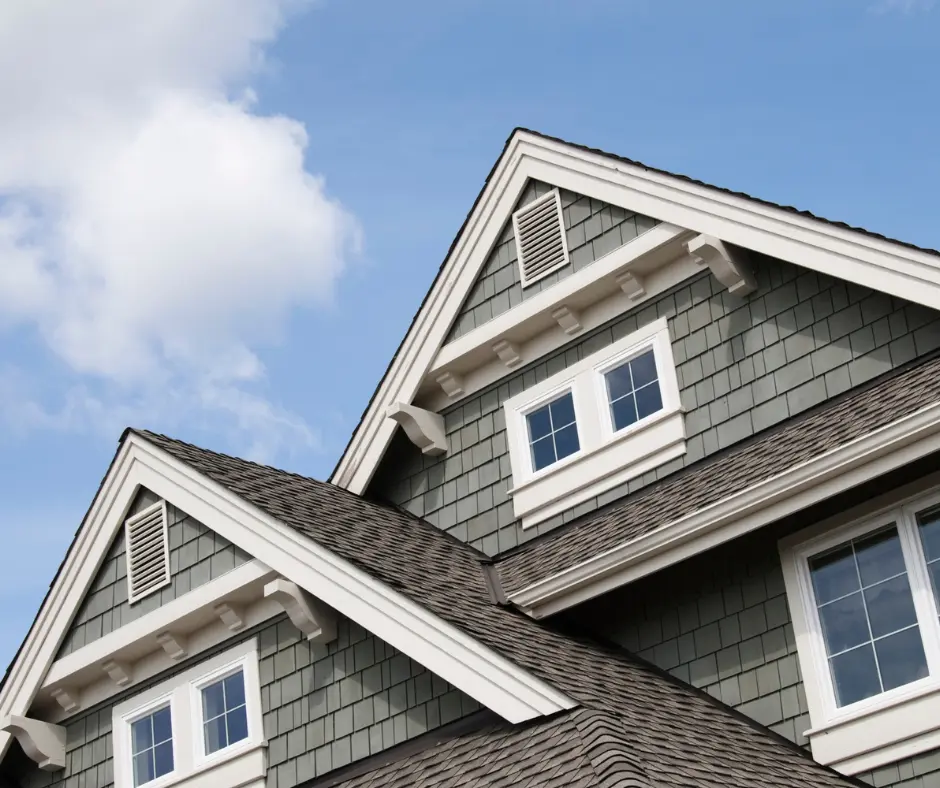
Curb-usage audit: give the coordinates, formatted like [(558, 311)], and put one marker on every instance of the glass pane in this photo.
[(623, 412), (237, 725), (844, 624), (143, 767), (213, 701), (566, 441), (543, 453), (834, 574), (901, 658), (618, 382), (648, 400), (215, 734), (163, 759), (890, 606), (562, 411), (934, 572), (644, 369), (235, 690), (930, 533), (855, 675), (162, 725), (141, 735), (879, 556), (540, 423)]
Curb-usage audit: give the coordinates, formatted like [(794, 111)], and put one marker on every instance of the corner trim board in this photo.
[(839, 469)]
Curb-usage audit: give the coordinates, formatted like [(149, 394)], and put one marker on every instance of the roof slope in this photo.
[(674, 731), (579, 748), (803, 438)]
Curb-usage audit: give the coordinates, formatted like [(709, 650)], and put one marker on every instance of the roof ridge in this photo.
[(608, 750)]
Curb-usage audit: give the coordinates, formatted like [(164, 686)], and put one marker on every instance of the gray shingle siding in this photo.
[(743, 365), (921, 771), (324, 706), (197, 555), (593, 229)]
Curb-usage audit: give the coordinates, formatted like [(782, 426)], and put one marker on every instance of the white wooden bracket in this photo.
[(508, 353), (451, 383), (173, 645), (231, 616), (315, 620), (568, 319), (119, 672), (42, 742), (729, 264), (69, 701), (424, 428), (632, 284)]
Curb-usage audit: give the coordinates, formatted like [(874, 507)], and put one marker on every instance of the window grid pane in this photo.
[(869, 625), (225, 698), (152, 746), (633, 391), (553, 432)]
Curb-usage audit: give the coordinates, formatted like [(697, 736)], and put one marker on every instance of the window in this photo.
[(553, 432), (204, 717), (610, 417), (864, 602)]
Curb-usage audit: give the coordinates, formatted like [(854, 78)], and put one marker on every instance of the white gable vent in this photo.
[(540, 237), (148, 551)]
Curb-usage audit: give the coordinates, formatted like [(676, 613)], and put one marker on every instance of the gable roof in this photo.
[(674, 731), (658, 507), (835, 248)]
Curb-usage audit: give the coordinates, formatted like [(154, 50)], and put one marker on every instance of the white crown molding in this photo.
[(828, 474), (486, 676), (748, 224)]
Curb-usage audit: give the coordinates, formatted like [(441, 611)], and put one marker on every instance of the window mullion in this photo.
[(924, 604)]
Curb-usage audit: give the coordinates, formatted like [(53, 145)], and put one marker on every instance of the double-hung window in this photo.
[(865, 599), (609, 417), (204, 718)]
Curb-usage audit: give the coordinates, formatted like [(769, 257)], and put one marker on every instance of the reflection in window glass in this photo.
[(224, 714), (633, 391), (866, 611), (152, 746), (553, 432)]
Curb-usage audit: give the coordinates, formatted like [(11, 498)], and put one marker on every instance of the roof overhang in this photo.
[(833, 472), (488, 677), (812, 243)]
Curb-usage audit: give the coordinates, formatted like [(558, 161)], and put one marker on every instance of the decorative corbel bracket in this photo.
[(728, 263), (424, 428), (173, 645), (568, 319), (632, 284), (43, 742), (231, 616), (311, 617), (508, 353), (119, 672), (451, 383), (68, 700)]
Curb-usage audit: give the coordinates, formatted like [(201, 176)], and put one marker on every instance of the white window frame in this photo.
[(605, 458), (183, 693), (892, 725)]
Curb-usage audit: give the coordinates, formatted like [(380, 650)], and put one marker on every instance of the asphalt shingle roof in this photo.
[(799, 440), (679, 734)]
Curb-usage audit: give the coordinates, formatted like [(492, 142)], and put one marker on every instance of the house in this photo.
[(648, 496)]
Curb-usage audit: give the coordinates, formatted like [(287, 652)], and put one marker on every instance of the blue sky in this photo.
[(231, 237)]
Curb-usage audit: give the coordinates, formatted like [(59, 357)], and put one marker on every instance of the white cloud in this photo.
[(154, 229)]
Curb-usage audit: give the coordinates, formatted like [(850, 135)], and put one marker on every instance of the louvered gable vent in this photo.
[(540, 237), (148, 551)]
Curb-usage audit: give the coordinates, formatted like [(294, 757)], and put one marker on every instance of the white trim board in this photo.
[(811, 243), (486, 676), (881, 451)]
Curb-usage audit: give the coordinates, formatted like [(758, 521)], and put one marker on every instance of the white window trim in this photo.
[(190, 763), (605, 458), (898, 723)]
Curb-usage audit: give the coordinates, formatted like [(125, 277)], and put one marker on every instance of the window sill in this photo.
[(244, 767), (590, 473)]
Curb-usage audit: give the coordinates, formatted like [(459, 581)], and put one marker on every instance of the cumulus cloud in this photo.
[(154, 227)]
